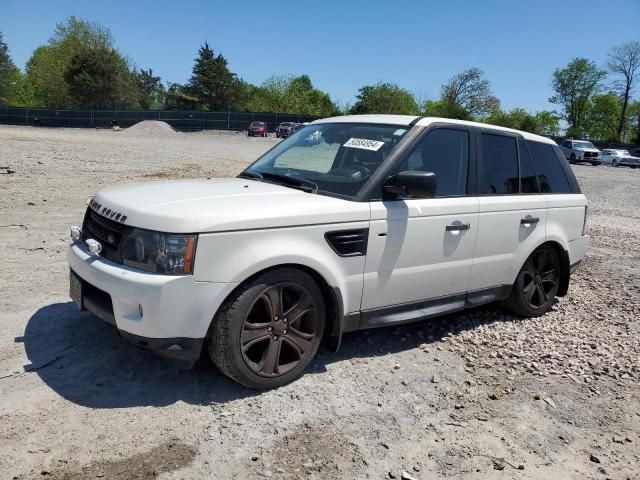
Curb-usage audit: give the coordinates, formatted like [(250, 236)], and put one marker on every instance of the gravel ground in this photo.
[(476, 395)]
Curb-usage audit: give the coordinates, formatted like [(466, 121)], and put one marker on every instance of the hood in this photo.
[(586, 149), (196, 206)]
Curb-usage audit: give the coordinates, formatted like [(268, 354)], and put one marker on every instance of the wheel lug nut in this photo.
[(276, 317), (275, 337), (285, 320), (269, 329), (284, 333)]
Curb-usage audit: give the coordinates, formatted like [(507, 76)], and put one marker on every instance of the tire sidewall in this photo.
[(519, 284), (244, 301)]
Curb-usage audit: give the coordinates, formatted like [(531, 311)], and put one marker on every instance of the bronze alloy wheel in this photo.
[(540, 279), (279, 329)]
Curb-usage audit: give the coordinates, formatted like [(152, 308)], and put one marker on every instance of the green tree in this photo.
[(212, 83), (178, 97), (289, 94), (150, 90), (467, 95), (9, 75), (634, 118), (603, 116), (549, 123), (45, 71), (624, 63), (574, 85), (98, 77), (385, 98)]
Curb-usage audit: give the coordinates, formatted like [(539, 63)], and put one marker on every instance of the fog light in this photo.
[(76, 233), (94, 247)]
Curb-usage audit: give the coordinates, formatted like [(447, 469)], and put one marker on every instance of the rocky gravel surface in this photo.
[(481, 394)]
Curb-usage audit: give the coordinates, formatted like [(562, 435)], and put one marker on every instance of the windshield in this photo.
[(583, 144), (338, 158)]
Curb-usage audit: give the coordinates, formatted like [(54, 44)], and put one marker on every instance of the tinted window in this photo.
[(498, 173), (528, 178), (444, 152), (550, 173), (566, 143)]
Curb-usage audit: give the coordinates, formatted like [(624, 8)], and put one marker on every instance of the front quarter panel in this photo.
[(232, 257)]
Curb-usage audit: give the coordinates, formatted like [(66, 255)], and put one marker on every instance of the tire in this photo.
[(614, 163), (572, 158), (595, 164), (259, 346), (536, 285)]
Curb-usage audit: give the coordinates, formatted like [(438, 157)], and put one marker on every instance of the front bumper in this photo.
[(169, 314)]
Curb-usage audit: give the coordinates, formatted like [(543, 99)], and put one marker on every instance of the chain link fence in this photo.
[(186, 120)]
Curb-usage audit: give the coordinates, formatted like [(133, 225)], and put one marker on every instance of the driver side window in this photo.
[(444, 152)]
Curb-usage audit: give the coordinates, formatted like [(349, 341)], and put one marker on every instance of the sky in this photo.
[(343, 45)]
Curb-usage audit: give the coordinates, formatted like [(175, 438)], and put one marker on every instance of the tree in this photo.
[(624, 62), (468, 95), (603, 115), (96, 78), (549, 123), (438, 108), (150, 90), (212, 83), (46, 68), (574, 85), (178, 97), (8, 74), (289, 94), (634, 114), (385, 98)]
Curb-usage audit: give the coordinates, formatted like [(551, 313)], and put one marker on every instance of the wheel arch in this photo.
[(565, 267), (332, 296)]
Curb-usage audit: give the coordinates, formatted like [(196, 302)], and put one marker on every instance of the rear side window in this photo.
[(444, 152), (498, 173), (550, 173)]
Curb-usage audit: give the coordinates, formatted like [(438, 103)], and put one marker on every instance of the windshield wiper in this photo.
[(293, 182), (252, 175)]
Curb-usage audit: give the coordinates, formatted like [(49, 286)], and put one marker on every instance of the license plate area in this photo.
[(75, 289)]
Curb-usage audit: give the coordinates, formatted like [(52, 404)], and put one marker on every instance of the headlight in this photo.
[(159, 252)]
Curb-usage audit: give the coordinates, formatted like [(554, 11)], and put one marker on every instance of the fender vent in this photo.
[(348, 243)]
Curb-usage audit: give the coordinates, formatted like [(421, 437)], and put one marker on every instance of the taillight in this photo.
[(585, 227)]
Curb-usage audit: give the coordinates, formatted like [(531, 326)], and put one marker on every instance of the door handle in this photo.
[(457, 227), (529, 221)]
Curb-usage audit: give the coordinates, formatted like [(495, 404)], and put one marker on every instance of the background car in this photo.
[(577, 151), (285, 129), (257, 128), (635, 152), (619, 158)]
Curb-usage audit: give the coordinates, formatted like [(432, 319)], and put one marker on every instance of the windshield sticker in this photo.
[(399, 132), (364, 144)]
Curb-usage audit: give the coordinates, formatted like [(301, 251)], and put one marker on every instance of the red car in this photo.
[(257, 128)]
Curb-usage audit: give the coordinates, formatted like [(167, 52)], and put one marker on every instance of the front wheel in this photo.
[(614, 163), (269, 331), (572, 158), (536, 286)]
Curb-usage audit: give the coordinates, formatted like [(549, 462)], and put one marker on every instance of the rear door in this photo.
[(512, 211)]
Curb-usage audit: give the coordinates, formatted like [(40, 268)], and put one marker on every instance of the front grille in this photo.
[(108, 232), (590, 154), (348, 243)]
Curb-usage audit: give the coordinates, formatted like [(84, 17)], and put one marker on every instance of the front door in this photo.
[(422, 249)]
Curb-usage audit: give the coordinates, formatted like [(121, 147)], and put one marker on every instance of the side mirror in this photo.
[(411, 184)]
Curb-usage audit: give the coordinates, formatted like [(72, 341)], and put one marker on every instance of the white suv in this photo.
[(351, 223)]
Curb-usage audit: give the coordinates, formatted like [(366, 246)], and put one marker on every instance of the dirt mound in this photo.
[(150, 127)]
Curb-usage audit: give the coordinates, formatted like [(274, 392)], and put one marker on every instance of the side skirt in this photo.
[(411, 312)]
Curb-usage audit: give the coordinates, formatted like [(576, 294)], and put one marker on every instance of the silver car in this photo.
[(619, 158)]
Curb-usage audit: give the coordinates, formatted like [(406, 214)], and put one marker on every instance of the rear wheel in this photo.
[(537, 284), (269, 331), (572, 158)]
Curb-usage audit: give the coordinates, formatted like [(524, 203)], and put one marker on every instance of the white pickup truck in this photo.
[(577, 151), (351, 223)]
